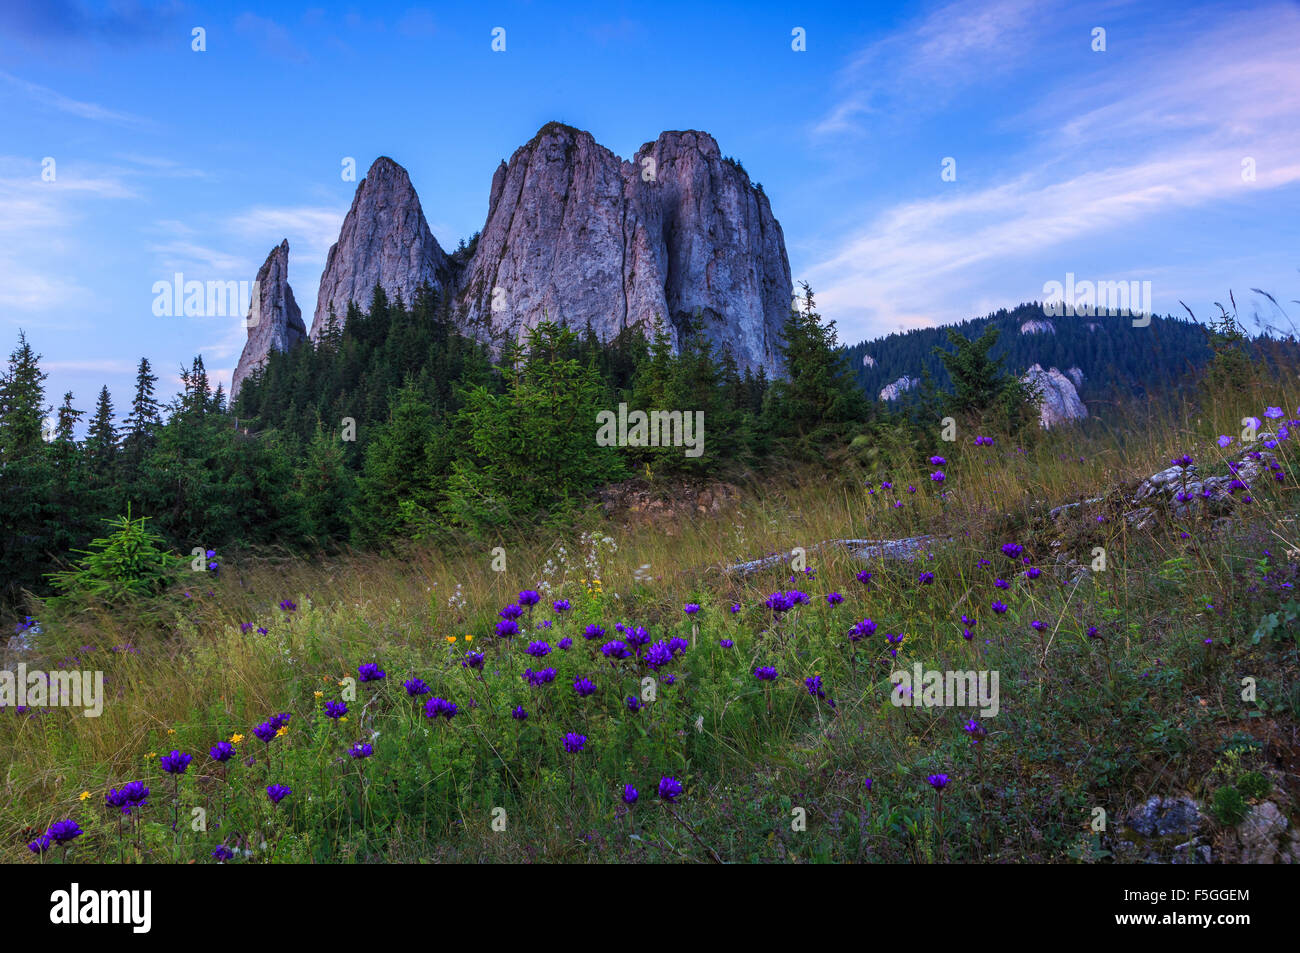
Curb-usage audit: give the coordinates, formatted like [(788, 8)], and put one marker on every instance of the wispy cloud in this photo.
[(311, 230), (40, 253), (1123, 147), (918, 68), (85, 110)]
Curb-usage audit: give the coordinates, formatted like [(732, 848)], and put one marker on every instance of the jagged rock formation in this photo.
[(384, 241), (274, 319), (868, 360), (577, 235), (1076, 375), (1041, 326), (895, 390), (1058, 402)]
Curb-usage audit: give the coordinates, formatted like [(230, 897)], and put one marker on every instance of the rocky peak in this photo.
[(384, 241), (709, 239), (1058, 401), (552, 247), (896, 390), (578, 235), (274, 319)]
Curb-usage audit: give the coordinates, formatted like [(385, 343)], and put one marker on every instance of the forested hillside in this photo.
[(1114, 356)]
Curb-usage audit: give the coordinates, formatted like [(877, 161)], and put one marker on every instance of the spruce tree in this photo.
[(101, 439), (142, 424), (818, 402), (22, 403)]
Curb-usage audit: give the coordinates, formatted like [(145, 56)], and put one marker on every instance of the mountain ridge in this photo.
[(576, 234)]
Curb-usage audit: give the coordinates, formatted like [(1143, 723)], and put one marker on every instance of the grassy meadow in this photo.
[(1129, 685)]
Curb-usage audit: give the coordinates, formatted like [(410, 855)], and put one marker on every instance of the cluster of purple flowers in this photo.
[(334, 710), (175, 763), (222, 751), (370, 672), (863, 629), (537, 679), (60, 832), (133, 794), (670, 789), (780, 602), (440, 708)]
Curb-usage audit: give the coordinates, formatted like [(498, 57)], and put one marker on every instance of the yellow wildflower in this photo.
[(284, 730), (236, 738), (171, 731), (451, 639), (83, 795), (319, 694), (469, 638)]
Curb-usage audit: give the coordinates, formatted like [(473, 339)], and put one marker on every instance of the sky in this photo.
[(1164, 149)]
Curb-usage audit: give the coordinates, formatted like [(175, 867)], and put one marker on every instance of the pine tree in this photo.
[(981, 385), (22, 403), (142, 423), (65, 430), (101, 439), (818, 402)]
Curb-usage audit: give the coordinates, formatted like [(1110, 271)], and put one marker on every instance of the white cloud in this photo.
[(1128, 147)]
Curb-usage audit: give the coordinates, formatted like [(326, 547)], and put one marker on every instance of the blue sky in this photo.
[(1125, 164)]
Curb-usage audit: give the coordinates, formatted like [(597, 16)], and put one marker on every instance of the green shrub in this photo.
[(1229, 807), (1252, 784), (130, 562)]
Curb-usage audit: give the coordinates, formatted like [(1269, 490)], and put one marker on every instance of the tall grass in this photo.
[(1144, 705)]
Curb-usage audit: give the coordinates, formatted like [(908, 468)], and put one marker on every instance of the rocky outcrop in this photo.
[(868, 360), (1058, 401), (1040, 326), (384, 241), (274, 319), (895, 390), (862, 550), (1076, 375), (577, 235)]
